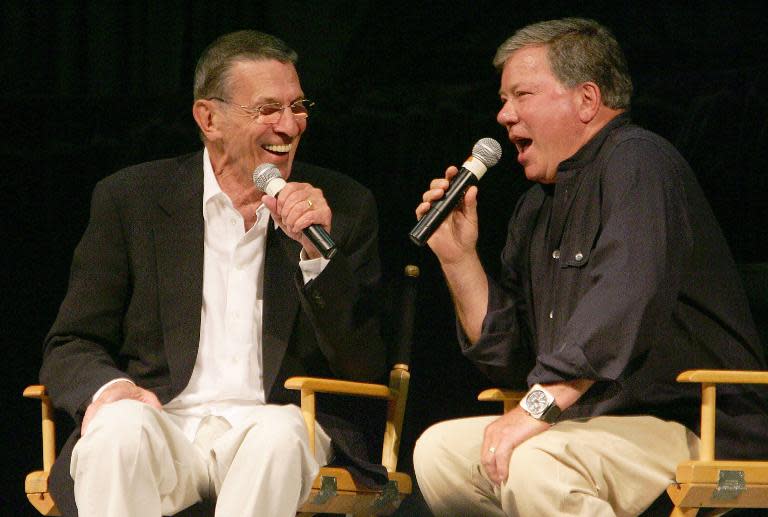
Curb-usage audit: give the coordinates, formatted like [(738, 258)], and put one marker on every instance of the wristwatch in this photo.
[(540, 404)]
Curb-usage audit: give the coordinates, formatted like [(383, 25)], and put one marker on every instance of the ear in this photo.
[(206, 117), (590, 99)]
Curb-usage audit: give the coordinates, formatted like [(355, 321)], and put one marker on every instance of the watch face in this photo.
[(537, 402)]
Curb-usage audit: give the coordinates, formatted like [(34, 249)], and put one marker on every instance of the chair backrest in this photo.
[(755, 279), (405, 306), (401, 307)]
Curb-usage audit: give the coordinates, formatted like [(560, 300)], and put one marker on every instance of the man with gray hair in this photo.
[(194, 295), (615, 277)]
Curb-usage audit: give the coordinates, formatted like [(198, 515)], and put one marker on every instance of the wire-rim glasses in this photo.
[(271, 112)]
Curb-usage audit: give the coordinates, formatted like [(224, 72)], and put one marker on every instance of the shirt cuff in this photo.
[(107, 385), (311, 268)]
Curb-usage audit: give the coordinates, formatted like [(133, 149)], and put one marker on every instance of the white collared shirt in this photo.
[(227, 378)]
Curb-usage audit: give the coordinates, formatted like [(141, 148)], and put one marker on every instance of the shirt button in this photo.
[(556, 254), (233, 221), (579, 256), (551, 314)]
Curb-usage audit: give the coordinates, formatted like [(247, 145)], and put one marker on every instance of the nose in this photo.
[(506, 115)]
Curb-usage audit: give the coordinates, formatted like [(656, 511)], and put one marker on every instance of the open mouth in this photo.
[(279, 149), (522, 144)]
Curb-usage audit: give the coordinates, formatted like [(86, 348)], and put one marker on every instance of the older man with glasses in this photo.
[(193, 296)]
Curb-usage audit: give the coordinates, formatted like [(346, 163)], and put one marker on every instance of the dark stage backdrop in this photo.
[(402, 88)]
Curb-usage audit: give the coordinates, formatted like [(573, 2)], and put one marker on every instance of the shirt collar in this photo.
[(587, 153), (212, 189)]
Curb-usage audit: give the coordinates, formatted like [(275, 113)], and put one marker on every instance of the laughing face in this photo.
[(539, 113), (243, 142)]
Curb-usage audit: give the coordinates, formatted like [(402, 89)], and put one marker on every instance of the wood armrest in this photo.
[(35, 391), (309, 386), (500, 395), (724, 376), (510, 398), (709, 380), (321, 385)]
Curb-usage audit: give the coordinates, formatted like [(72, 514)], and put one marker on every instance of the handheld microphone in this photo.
[(267, 178), (486, 153)]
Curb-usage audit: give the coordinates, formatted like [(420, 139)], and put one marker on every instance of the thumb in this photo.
[(151, 399), (270, 202), (470, 203), (90, 411)]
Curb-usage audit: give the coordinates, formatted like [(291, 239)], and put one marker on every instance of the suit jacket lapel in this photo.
[(281, 302), (178, 237)]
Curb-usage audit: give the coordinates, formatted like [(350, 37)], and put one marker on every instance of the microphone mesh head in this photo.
[(263, 174), (488, 151)]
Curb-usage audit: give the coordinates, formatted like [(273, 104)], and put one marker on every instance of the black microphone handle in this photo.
[(321, 240), (441, 208)]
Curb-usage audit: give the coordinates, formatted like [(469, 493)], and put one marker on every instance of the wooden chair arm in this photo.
[(395, 394), (724, 376), (35, 391), (509, 397), (322, 385), (311, 385), (49, 427), (709, 380)]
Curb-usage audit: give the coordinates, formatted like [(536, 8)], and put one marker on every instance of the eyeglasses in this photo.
[(271, 112)]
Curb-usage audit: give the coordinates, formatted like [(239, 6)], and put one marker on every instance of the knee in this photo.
[(546, 481), (537, 473), (432, 447), (528, 467), (285, 431), (116, 426)]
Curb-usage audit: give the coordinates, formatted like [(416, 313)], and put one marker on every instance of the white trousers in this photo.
[(135, 461), (602, 466)]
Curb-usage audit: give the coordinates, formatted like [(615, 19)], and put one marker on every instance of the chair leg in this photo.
[(683, 512)]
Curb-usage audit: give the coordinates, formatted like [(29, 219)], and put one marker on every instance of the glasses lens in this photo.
[(301, 108), (270, 113)]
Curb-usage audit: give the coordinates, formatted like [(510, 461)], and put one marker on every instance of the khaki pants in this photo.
[(135, 461), (602, 466)]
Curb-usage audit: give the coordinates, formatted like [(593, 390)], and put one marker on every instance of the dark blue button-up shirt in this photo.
[(619, 273)]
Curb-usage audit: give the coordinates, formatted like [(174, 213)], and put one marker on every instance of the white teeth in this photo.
[(278, 148)]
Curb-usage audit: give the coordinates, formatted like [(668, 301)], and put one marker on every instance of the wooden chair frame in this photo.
[(708, 482), (508, 397), (334, 489), (36, 483)]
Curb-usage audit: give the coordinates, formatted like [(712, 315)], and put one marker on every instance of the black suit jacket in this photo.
[(134, 300)]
